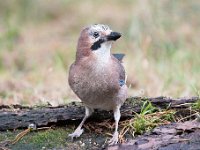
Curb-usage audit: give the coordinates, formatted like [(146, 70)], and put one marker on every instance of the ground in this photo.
[(167, 125), (183, 136), (56, 138)]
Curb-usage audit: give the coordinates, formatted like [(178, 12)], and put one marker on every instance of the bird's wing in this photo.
[(120, 68), (119, 56), (121, 75)]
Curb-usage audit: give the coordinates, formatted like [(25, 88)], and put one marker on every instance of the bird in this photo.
[(97, 76)]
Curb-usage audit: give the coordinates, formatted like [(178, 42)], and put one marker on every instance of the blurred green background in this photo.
[(161, 40)]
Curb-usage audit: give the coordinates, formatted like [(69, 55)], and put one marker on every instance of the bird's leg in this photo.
[(114, 139), (79, 131)]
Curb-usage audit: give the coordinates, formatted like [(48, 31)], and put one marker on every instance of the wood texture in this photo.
[(17, 116)]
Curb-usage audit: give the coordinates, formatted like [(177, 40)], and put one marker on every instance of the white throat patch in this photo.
[(103, 53)]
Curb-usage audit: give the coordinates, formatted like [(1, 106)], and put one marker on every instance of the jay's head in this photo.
[(96, 39)]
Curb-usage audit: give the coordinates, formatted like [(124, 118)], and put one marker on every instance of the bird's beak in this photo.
[(113, 36)]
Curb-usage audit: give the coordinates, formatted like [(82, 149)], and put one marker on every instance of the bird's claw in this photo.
[(114, 139), (76, 133)]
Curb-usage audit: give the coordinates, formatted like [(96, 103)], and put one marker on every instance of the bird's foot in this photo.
[(76, 133), (114, 139)]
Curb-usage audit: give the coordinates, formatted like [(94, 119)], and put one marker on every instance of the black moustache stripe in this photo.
[(97, 44)]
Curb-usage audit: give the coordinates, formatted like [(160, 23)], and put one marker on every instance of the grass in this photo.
[(145, 123), (196, 105), (9, 38), (142, 124), (149, 118), (147, 108)]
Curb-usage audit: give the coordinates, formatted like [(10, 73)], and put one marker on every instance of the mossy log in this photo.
[(17, 116)]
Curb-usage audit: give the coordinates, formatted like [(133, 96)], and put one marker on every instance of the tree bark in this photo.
[(17, 116)]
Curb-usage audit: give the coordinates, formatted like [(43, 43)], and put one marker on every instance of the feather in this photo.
[(121, 82), (119, 56)]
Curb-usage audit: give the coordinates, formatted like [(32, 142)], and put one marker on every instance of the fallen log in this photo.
[(17, 116), (169, 137)]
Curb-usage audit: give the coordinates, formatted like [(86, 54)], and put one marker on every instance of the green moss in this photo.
[(134, 101), (54, 139), (6, 136), (38, 140)]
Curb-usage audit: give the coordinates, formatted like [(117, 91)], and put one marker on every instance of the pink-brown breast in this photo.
[(98, 86)]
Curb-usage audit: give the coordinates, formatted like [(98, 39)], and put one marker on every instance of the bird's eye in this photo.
[(96, 34)]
